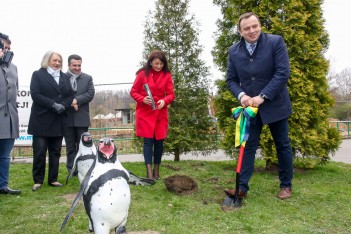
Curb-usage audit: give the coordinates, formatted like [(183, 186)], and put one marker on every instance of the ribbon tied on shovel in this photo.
[(243, 115)]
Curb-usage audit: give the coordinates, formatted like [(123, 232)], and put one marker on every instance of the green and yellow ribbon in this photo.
[(243, 117)]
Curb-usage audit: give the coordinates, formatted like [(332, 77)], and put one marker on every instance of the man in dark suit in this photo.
[(78, 116), (257, 74)]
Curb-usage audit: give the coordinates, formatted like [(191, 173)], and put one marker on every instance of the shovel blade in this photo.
[(231, 203)]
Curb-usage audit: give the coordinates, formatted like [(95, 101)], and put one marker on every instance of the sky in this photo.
[(108, 34), (336, 14)]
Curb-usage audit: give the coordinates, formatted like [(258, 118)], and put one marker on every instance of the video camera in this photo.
[(8, 55)]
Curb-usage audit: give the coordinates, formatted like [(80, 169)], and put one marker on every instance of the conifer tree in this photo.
[(172, 29), (301, 24)]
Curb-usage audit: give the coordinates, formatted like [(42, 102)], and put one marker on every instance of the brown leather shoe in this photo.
[(231, 192), (284, 193)]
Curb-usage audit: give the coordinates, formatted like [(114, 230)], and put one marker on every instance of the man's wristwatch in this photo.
[(263, 96)]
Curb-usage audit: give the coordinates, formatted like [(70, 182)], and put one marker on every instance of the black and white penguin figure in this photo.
[(85, 157), (107, 196), (106, 192)]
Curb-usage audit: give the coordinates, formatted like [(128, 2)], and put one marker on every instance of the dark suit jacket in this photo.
[(43, 120), (267, 71), (84, 95)]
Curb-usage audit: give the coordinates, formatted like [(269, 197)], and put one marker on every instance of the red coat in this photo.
[(152, 123)]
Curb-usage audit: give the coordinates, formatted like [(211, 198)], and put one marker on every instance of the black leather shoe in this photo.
[(55, 184), (36, 187), (7, 190)]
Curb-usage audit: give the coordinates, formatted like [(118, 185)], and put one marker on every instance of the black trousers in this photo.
[(40, 146), (280, 134), (72, 139), (153, 147)]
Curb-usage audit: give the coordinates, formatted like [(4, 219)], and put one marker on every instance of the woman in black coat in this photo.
[(52, 94)]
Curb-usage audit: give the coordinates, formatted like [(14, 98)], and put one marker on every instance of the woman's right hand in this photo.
[(147, 100)]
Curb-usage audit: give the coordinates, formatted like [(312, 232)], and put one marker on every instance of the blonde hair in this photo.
[(46, 58)]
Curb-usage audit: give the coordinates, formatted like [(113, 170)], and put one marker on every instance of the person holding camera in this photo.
[(9, 123), (78, 117), (52, 94), (153, 91)]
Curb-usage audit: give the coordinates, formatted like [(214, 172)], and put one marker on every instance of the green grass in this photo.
[(320, 202)]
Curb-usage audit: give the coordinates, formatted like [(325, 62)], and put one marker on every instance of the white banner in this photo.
[(24, 104)]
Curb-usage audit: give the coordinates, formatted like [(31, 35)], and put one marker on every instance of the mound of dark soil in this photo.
[(180, 184)]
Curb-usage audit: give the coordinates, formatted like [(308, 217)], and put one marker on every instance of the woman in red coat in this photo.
[(152, 124)]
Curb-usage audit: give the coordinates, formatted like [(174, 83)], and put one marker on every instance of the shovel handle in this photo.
[(240, 159)]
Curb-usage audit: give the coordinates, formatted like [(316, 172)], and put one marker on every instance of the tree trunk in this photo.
[(270, 166), (176, 155)]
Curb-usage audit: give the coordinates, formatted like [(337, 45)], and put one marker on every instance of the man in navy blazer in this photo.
[(257, 74)]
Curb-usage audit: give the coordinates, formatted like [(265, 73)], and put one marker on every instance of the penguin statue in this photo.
[(105, 191), (85, 157)]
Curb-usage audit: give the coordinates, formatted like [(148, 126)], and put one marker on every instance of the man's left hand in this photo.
[(257, 101)]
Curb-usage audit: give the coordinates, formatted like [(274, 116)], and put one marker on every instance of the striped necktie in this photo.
[(252, 48)]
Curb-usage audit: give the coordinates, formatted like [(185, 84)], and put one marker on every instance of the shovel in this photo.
[(243, 116), (232, 202)]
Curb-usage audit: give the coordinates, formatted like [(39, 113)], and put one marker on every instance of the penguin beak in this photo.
[(107, 142)]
